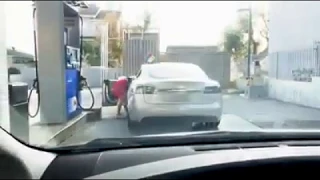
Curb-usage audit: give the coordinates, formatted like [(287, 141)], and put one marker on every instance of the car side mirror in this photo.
[(131, 78)]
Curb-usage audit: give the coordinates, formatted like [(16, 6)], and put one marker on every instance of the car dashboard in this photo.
[(175, 162)]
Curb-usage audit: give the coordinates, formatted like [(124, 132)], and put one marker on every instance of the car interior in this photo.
[(20, 161)]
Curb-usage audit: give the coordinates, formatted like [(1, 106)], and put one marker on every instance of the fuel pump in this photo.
[(73, 96), (75, 82)]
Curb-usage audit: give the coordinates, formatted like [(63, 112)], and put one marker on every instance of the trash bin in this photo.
[(19, 118)]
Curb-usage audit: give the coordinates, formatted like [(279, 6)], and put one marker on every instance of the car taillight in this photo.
[(145, 90), (212, 90)]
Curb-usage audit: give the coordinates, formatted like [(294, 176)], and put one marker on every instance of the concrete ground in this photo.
[(239, 113), (114, 128), (41, 133)]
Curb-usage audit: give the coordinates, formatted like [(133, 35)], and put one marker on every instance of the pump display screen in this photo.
[(72, 57)]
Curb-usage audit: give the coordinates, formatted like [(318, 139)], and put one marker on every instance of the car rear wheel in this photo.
[(133, 126)]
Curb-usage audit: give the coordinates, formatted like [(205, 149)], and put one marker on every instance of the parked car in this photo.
[(173, 92)]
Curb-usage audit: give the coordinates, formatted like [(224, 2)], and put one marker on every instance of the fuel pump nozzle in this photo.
[(35, 86), (84, 84)]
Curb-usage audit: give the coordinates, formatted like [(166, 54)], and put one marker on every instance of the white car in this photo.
[(168, 90)]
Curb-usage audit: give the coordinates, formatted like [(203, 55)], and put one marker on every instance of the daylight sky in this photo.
[(180, 23)]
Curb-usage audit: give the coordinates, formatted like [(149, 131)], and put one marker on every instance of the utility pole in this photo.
[(141, 44), (146, 21), (249, 10), (249, 40)]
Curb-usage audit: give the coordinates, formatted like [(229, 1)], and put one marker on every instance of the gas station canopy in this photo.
[(80, 4), (70, 7)]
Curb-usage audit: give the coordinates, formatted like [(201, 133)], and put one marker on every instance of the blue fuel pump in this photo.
[(73, 95), (73, 79), (75, 82)]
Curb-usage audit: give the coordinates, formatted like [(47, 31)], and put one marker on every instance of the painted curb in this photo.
[(75, 125)]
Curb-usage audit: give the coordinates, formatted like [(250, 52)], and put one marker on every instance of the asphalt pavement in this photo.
[(110, 127), (117, 128), (239, 113)]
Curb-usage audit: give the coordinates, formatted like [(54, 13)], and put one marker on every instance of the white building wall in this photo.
[(293, 27)]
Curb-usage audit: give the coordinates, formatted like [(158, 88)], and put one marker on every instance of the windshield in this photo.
[(214, 68), (176, 71)]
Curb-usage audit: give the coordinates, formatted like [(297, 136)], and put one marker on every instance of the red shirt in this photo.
[(119, 89)]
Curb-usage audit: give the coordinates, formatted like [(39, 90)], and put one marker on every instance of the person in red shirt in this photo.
[(119, 90)]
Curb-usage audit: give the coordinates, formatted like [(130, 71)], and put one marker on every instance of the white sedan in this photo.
[(174, 92)]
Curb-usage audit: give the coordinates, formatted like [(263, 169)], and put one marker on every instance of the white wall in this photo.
[(293, 25), (302, 93)]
